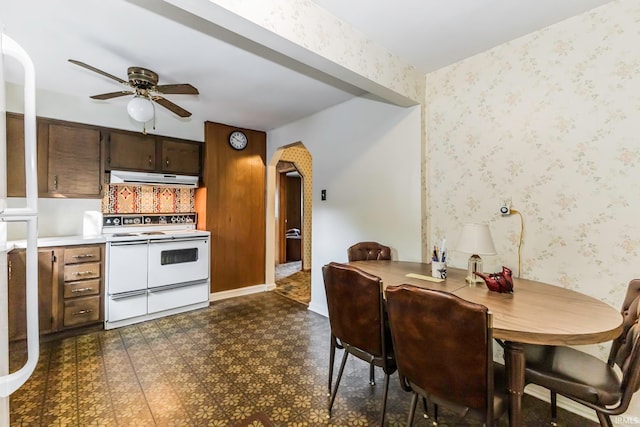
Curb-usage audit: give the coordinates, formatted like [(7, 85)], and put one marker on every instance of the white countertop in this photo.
[(44, 242)]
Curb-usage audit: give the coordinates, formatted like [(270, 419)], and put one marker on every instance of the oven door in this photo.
[(126, 267), (178, 261)]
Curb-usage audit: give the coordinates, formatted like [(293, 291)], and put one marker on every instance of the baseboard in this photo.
[(320, 309), (248, 290), (564, 403)]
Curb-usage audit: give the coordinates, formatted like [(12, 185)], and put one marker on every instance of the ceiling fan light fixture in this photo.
[(140, 109)]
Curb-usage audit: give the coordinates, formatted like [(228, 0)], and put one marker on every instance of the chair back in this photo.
[(443, 346), (354, 301), (625, 350), (368, 251)]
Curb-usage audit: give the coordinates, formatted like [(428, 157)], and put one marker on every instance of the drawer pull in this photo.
[(81, 290), (82, 256), (83, 273), (81, 312)]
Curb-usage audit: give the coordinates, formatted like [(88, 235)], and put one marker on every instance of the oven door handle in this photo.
[(175, 286), (123, 295), (179, 239), (135, 242)]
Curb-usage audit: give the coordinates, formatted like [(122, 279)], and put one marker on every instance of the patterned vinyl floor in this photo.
[(292, 282), (258, 354)]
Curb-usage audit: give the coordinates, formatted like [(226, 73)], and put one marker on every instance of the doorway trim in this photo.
[(293, 155)]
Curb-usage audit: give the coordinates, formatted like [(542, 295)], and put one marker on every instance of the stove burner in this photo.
[(151, 233), (123, 234)]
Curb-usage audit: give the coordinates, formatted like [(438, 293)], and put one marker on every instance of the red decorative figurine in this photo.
[(498, 282)]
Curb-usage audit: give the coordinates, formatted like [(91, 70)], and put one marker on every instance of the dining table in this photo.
[(534, 313)]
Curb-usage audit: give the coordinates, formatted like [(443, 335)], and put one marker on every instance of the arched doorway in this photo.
[(289, 181)]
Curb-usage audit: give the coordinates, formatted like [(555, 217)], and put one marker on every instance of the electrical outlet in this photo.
[(505, 207)]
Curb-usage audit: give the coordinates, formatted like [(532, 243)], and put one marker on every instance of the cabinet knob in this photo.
[(166, 162), (150, 161), (55, 182)]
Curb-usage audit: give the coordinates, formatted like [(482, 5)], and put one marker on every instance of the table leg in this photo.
[(514, 363)]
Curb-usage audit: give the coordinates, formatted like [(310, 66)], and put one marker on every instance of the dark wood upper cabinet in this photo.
[(68, 158), (148, 153), (73, 161), (15, 156), (180, 157), (72, 157), (131, 151)]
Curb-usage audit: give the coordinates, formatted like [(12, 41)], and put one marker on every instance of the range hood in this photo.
[(150, 178)]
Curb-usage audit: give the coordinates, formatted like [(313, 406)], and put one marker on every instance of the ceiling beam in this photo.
[(302, 36)]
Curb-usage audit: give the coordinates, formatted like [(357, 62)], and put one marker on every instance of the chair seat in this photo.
[(573, 373)]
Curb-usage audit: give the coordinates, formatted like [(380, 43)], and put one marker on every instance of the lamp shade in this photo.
[(140, 109), (475, 239)]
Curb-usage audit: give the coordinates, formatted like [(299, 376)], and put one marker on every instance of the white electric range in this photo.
[(156, 265)]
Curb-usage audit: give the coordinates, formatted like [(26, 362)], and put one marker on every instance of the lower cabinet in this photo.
[(17, 293), (82, 286), (70, 289)]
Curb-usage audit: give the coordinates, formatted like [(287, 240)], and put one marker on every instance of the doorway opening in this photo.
[(292, 222)]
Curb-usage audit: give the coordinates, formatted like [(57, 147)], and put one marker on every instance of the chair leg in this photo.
[(384, 399), (372, 377), (554, 408), (605, 420), (426, 407), (332, 355), (412, 409), (335, 389), (435, 414)]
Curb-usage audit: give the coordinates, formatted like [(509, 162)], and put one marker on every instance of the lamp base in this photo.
[(475, 265)]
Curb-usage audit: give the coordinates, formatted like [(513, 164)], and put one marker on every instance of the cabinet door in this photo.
[(181, 157), (130, 151), (15, 156), (17, 295), (74, 161)]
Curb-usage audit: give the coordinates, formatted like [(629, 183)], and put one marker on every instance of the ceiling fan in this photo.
[(143, 84)]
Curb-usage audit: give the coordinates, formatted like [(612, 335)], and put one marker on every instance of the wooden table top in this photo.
[(535, 313)]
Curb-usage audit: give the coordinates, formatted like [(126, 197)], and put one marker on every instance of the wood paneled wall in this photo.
[(235, 207)]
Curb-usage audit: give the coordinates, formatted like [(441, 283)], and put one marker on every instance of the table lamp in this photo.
[(475, 239)]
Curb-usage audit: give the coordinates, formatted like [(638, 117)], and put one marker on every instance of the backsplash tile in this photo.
[(126, 198)]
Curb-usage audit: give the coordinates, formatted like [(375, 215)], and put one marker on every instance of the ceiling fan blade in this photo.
[(180, 89), (171, 106), (95, 70), (112, 94)]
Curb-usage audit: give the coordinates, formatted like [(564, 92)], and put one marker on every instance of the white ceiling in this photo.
[(247, 88)]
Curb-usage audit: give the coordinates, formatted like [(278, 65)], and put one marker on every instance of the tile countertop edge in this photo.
[(44, 242)]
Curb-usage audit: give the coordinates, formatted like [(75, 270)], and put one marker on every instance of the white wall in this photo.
[(63, 217), (366, 155)]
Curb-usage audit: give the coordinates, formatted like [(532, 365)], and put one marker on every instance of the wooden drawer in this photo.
[(78, 254), (78, 311), (81, 271), (80, 289)]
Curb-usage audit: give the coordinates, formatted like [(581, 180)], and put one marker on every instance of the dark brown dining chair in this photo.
[(444, 351), (358, 323), (368, 251), (589, 380)]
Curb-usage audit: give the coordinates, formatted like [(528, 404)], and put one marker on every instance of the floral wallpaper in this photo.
[(550, 121), (301, 157)]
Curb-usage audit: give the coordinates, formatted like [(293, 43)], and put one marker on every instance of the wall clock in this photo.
[(238, 140)]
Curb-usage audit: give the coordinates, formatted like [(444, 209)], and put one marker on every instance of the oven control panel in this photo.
[(123, 220)]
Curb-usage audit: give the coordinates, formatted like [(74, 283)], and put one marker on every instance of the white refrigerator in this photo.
[(27, 214)]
